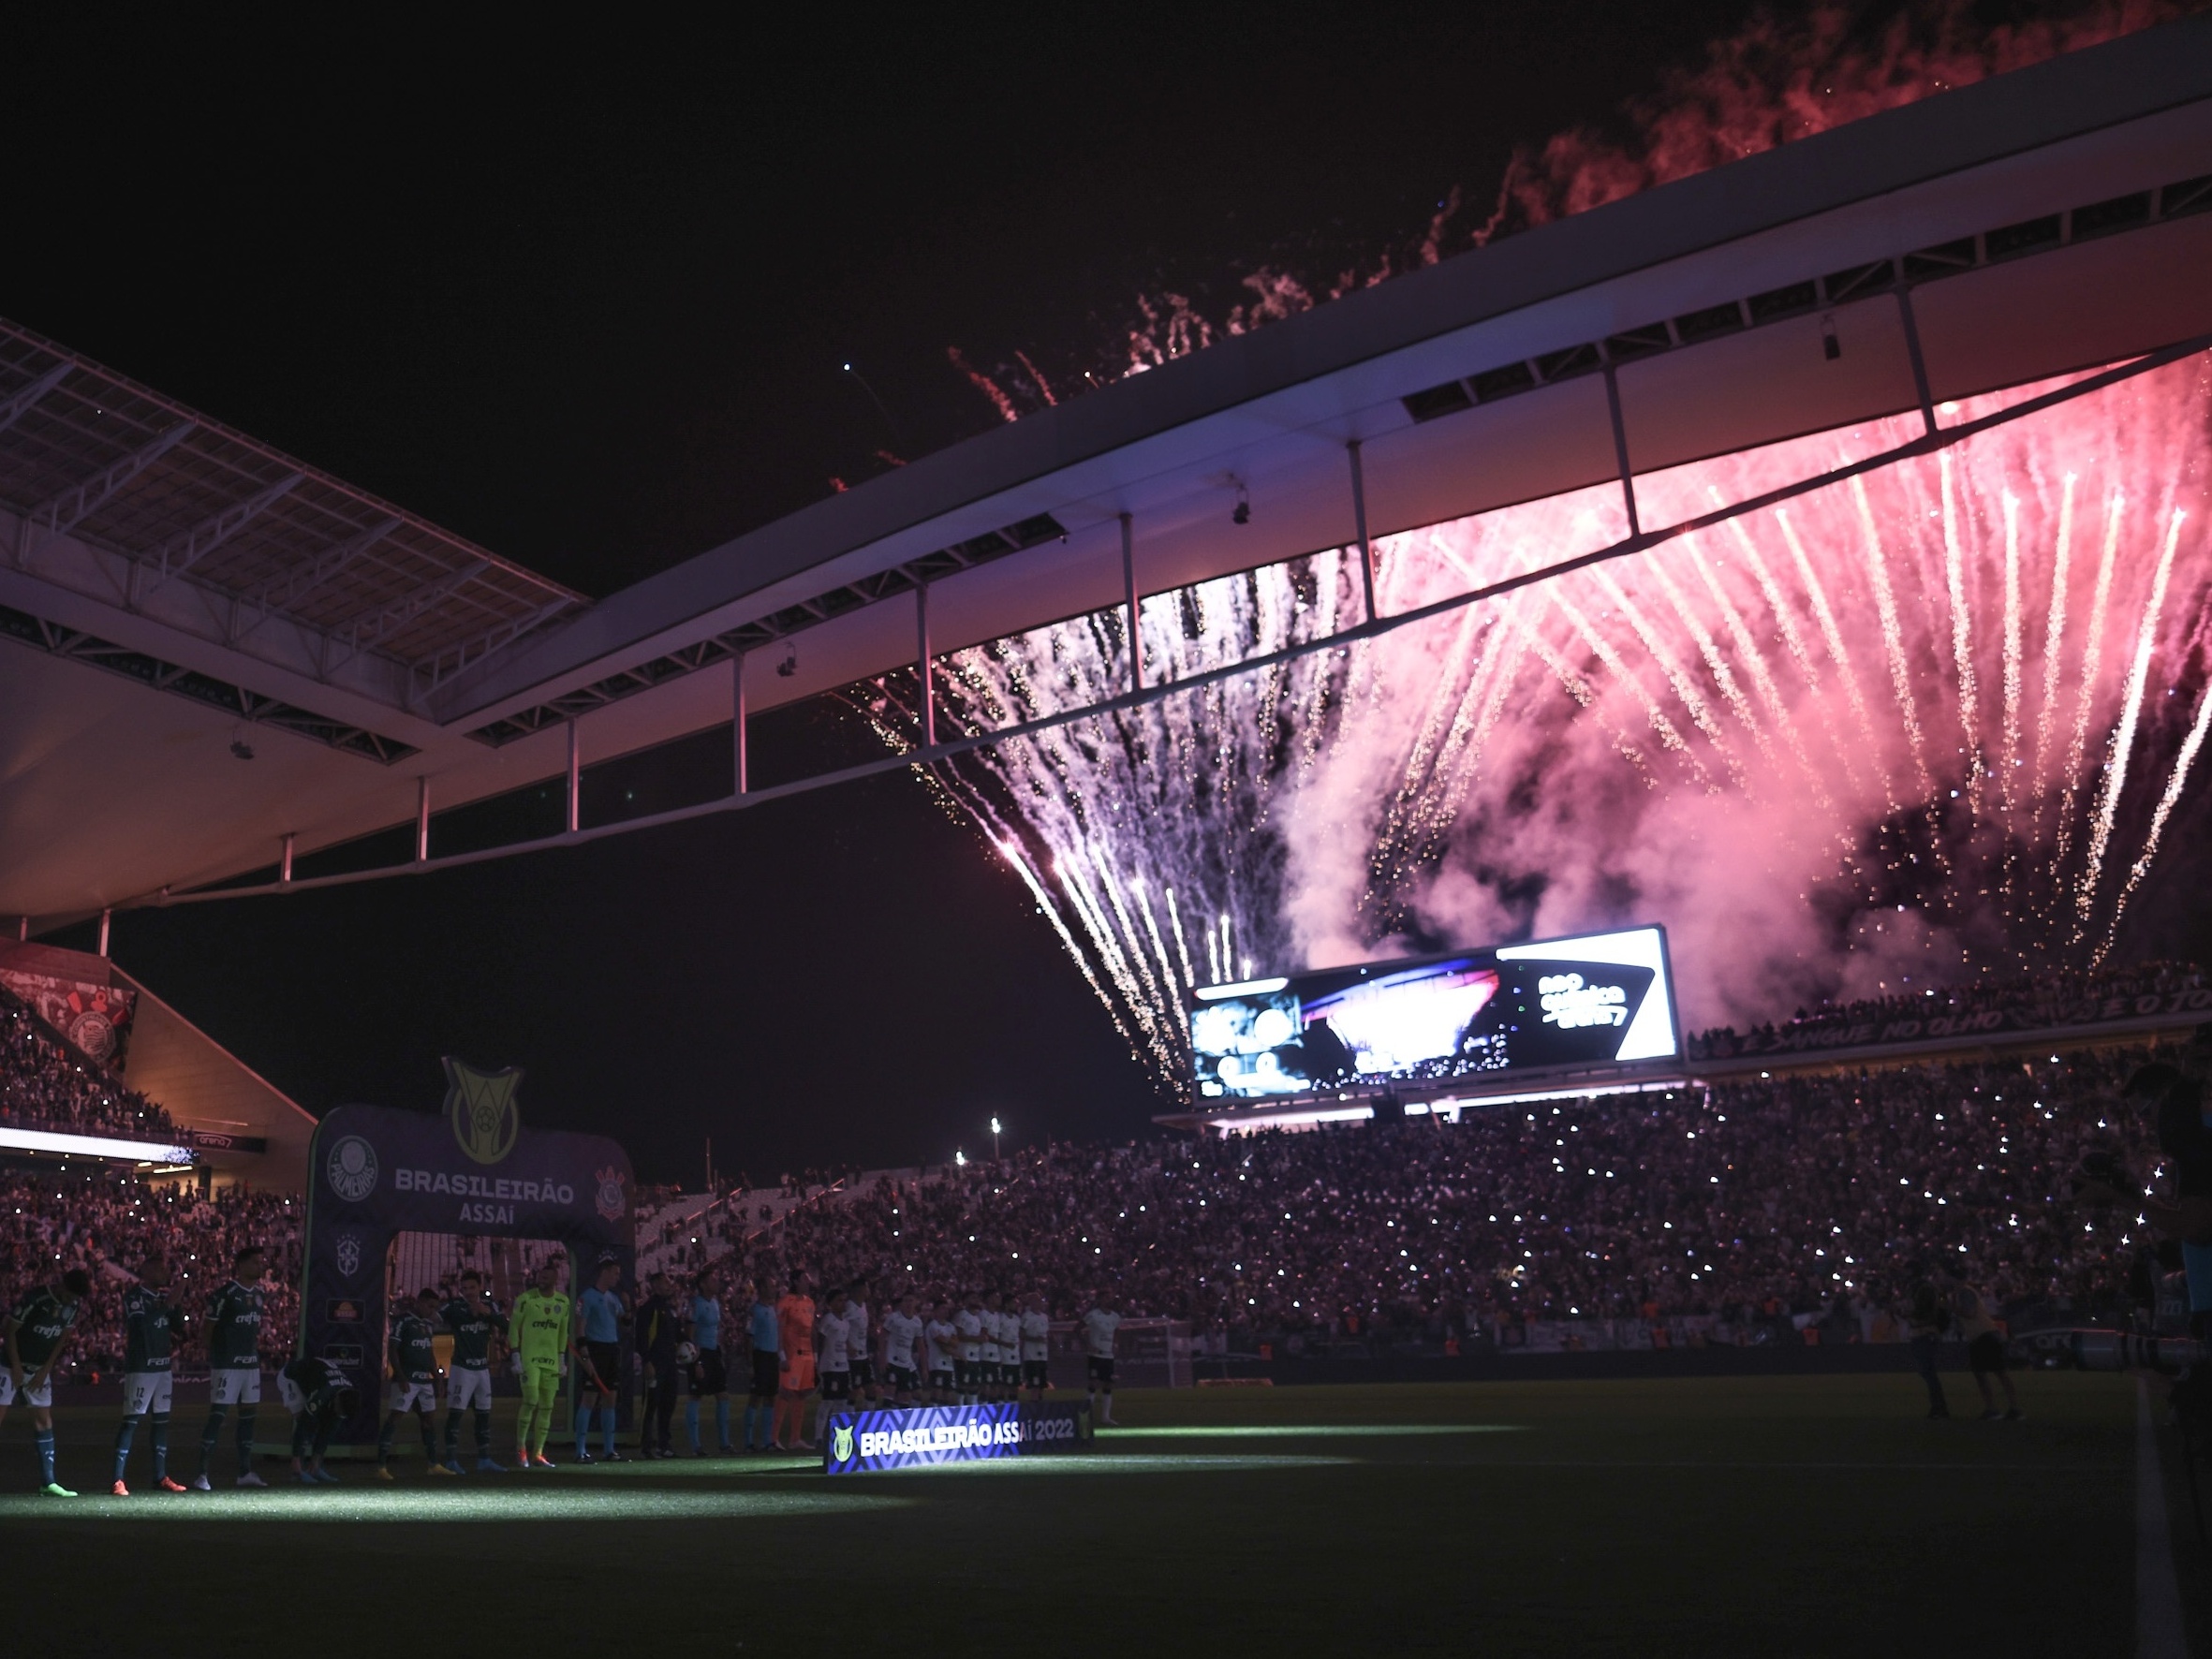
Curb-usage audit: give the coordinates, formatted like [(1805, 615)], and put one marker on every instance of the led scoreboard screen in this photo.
[(1603, 997)]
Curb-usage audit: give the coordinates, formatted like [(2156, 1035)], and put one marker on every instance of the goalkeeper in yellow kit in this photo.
[(538, 1334)]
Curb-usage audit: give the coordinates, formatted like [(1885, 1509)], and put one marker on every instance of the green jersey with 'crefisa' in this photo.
[(149, 1324), (234, 1328), (413, 1358), (472, 1332), (41, 1320)]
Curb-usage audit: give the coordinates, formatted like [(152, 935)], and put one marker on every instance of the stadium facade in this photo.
[(220, 660)]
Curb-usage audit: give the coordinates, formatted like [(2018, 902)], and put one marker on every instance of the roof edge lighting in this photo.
[(91, 1146)]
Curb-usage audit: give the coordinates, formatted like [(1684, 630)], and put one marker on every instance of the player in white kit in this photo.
[(901, 1330), (856, 1346), (832, 1340), (939, 1343), (969, 1365), (1099, 1326), (1036, 1330)]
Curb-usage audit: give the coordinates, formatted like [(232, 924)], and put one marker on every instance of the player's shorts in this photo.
[(39, 1394), (1986, 1353), (242, 1386), (467, 1385), (708, 1374), (542, 1379), (144, 1392), (1100, 1370), (864, 1374), (407, 1395), (904, 1379), (836, 1385), (990, 1363), (768, 1375), (800, 1378), (967, 1373), (941, 1381), (606, 1359), (1034, 1374)]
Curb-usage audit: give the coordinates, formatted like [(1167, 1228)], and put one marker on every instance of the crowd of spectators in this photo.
[(109, 1223), (2053, 998), (1767, 1205), (44, 1085)]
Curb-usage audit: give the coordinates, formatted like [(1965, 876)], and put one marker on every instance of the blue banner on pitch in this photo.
[(857, 1442)]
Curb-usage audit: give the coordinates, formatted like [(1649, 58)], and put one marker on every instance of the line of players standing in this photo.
[(979, 1348)]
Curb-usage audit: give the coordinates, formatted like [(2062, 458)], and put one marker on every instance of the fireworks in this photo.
[(1477, 776)]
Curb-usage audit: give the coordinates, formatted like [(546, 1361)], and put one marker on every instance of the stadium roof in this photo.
[(2037, 223)]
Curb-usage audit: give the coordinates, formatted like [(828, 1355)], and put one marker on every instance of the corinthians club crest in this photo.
[(481, 1107)]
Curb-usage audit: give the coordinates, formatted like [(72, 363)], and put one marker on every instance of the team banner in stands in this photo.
[(471, 1169), (2026, 1015), (95, 1017), (858, 1443)]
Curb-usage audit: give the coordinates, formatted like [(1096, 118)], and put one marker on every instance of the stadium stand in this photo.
[(2046, 1000), (1745, 1214), (109, 1223), (44, 1084)]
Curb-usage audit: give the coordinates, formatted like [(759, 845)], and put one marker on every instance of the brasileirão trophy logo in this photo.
[(480, 1105), (841, 1444)]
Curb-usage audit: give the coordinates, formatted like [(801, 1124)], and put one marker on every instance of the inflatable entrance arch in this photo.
[(374, 1173)]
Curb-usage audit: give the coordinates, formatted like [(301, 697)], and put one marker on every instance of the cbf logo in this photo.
[(352, 1168), (480, 1105), (841, 1444), (348, 1256)]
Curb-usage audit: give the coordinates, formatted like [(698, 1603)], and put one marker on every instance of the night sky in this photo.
[(585, 299)]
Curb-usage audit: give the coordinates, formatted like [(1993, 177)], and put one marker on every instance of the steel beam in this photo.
[(422, 820), (73, 506), (1913, 351), (284, 591), (929, 701), (366, 631), (1359, 520), (737, 723), (1129, 588), (180, 553), (17, 404), (1620, 448), (575, 814)]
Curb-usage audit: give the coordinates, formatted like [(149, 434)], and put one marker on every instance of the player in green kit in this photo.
[(540, 1334), (32, 1338), (414, 1381), (150, 1320), (475, 1322), (234, 1364)]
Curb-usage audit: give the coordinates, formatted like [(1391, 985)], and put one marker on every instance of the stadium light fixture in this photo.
[(93, 1146)]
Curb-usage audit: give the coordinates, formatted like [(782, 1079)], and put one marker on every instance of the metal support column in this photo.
[(1920, 363), (929, 701), (422, 820), (1359, 518), (575, 815), (1129, 588), (105, 916), (1620, 449), (283, 867), (22, 929), (737, 723)]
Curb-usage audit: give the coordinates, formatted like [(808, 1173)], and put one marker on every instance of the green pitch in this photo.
[(1803, 1516)]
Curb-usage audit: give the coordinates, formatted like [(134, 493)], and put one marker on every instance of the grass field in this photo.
[(1783, 1516)]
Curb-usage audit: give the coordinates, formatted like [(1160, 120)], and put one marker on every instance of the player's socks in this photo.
[(452, 1434), (583, 1431), (160, 1447), (385, 1436), (429, 1442), (245, 1438), (211, 1433), (722, 1423), (607, 1431), (691, 1424), (483, 1432), (751, 1413), (124, 1434), (45, 1440)]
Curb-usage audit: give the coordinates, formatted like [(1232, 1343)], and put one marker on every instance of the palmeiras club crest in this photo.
[(611, 1202), (480, 1105)]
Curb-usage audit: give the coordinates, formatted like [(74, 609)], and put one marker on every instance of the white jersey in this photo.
[(969, 1324), (836, 1343), (1037, 1329), (992, 1354), (1010, 1336), (938, 1338), (856, 1327), (1099, 1326), (899, 1331)]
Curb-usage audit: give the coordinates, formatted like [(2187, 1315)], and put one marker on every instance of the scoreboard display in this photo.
[(1591, 1000)]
